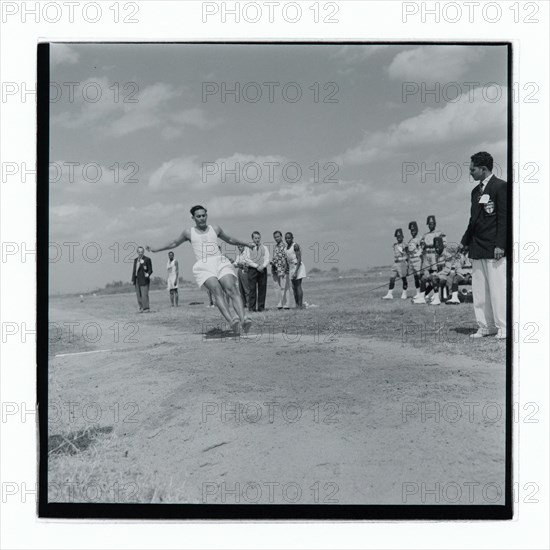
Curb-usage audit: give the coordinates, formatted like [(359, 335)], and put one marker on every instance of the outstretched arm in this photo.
[(171, 244), (228, 239)]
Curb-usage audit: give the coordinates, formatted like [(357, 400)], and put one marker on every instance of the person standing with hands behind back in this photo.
[(257, 273), (485, 241), (141, 277)]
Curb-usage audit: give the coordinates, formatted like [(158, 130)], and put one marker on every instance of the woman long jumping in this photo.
[(213, 270)]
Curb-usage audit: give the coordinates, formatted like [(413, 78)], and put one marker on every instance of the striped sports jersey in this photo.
[(427, 240), (414, 247), (399, 252)]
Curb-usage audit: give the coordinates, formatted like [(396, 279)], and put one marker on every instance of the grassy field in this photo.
[(353, 400)]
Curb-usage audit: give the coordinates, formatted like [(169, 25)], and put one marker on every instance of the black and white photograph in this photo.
[(275, 274)]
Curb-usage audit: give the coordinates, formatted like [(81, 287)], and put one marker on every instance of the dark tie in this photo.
[(479, 191)]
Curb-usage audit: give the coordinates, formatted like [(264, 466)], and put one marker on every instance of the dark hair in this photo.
[(289, 233), (197, 207), (277, 232), (142, 248), (256, 233), (483, 159)]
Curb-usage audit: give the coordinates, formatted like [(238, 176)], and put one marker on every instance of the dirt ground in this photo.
[(356, 401)]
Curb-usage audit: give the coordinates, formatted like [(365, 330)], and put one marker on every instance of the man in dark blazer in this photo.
[(485, 242), (141, 277)]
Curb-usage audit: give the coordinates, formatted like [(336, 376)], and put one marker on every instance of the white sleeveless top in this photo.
[(291, 255), (293, 263), (205, 245)]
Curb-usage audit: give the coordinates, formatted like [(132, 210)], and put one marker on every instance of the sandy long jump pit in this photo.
[(328, 405)]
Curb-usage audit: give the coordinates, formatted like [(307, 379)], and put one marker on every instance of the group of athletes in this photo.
[(435, 266)]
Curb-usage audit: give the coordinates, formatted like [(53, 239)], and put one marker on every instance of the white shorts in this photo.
[(212, 266), (415, 266), (399, 269), (301, 271)]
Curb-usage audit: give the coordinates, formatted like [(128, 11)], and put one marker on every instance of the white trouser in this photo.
[(489, 293), (283, 286)]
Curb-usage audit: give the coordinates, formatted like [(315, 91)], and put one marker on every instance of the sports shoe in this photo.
[(388, 296), (404, 295), (420, 299), (435, 300)]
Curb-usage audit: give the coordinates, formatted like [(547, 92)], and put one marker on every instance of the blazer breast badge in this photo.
[(488, 204)]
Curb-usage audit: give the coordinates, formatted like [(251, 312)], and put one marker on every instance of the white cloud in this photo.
[(72, 211), (434, 63), (304, 199), (128, 111), (471, 118), (215, 177), (91, 177), (194, 117), (61, 53), (175, 174)]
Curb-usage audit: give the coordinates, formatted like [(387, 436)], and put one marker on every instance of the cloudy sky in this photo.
[(374, 147)]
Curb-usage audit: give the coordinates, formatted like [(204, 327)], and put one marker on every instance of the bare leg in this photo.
[(213, 285), (299, 293), (278, 282), (229, 285), (285, 288), (293, 283)]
